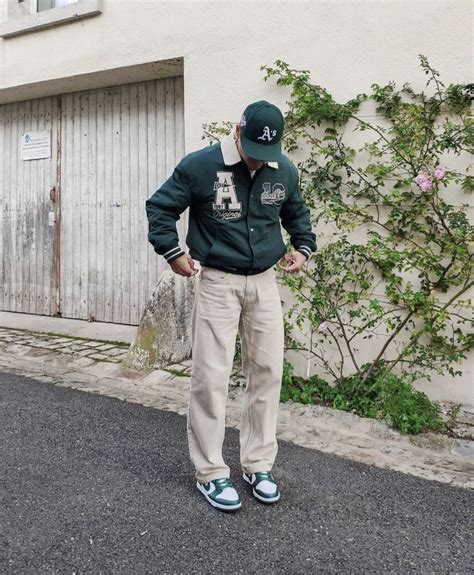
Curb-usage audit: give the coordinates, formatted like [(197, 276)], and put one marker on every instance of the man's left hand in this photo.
[(295, 261)]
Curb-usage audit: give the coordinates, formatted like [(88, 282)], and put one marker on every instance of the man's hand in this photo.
[(296, 261), (184, 266)]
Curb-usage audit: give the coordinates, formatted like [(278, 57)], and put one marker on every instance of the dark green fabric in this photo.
[(246, 234), (261, 129)]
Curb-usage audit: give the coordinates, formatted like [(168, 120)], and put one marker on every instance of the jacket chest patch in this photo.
[(273, 195), (226, 204)]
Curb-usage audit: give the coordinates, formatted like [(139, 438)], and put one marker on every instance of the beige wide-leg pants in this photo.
[(227, 304)]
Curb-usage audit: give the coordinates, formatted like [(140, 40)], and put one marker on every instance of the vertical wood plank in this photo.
[(151, 258), (135, 197), (116, 193), (41, 256), (16, 189), (34, 290), (7, 212), (161, 171), (73, 177), (76, 216), (124, 209), (83, 207), (108, 131), (179, 118), (91, 213), (67, 186), (169, 126), (52, 123), (143, 186), (100, 308), (24, 215), (41, 216), (43, 200)]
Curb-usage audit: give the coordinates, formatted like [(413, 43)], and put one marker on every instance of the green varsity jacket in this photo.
[(234, 219)]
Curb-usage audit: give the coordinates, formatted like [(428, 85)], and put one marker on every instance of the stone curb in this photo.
[(430, 456)]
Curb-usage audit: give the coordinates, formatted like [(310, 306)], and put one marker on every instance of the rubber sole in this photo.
[(215, 503), (259, 497)]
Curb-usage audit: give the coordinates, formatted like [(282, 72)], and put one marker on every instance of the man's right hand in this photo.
[(184, 266)]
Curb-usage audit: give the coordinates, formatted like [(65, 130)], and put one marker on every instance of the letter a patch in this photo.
[(226, 192)]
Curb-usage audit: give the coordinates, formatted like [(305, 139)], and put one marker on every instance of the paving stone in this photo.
[(116, 351), (85, 352), (39, 343), (94, 344), (77, 347), (64, 344), (98, 356), (83, 361), (39, 352), (105, 346)]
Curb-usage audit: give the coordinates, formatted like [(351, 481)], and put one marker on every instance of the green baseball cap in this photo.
[(261, 129)]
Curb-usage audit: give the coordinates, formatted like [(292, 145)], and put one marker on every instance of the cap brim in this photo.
[(264, 153)]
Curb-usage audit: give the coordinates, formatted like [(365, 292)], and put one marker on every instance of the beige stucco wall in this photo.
[(346, 45)]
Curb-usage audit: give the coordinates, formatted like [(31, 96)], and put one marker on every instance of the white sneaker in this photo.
[(221, 494), (264, 487)]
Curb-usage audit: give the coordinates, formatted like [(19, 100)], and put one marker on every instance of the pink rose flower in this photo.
[(420, 178), (439, 173), (323, 327), (424, 182), (425, 186)]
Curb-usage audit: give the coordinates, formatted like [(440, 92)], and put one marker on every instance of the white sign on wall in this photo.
[(36, 145)]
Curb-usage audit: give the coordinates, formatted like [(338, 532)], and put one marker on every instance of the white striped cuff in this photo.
[(173, 253), (175, 256), (305, 250)]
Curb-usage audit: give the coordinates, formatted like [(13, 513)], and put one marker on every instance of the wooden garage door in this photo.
[(115, 147)]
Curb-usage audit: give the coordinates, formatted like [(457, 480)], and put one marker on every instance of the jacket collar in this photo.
[(231, 155)]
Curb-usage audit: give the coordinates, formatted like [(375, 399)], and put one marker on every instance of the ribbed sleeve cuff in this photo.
[(173, 254), (305, 250)]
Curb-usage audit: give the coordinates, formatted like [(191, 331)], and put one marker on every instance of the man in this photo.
[(237, 191)]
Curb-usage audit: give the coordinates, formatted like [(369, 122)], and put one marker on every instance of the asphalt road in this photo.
[(91, 484)]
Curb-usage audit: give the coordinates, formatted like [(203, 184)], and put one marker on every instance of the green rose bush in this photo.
[(385, 300)]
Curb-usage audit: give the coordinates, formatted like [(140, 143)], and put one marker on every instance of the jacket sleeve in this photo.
[(163, 210), (296, 219)]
